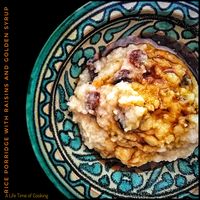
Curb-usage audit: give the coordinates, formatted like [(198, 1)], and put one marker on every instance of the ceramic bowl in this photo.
[(74, 169)]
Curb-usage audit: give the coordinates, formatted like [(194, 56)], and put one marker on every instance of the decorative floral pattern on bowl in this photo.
[(74, 169)]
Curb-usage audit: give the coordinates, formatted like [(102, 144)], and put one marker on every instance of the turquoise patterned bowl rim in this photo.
[(75, 170)]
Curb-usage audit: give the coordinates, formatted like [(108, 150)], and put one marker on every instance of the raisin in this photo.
[(148, 77), (185, 81), (146, 74), (93, 100), (91, 69), (122, 75), (136, 57)]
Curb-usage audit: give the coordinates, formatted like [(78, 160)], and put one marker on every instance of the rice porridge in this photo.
[(137, 103)]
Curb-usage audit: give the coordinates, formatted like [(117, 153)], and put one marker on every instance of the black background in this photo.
[(30, 25)]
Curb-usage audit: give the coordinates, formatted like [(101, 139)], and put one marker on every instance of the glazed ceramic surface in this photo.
[(74, 169)]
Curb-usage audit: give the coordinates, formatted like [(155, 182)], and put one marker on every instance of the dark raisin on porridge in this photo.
[(186, 81), (122, 75), (93, 100), (91, 69), (137, 57)]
